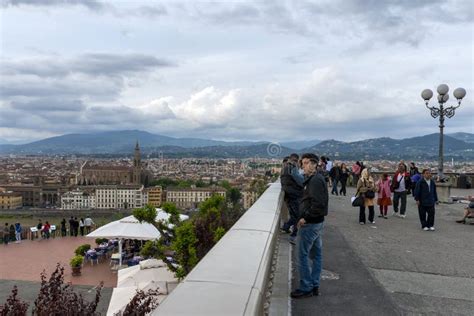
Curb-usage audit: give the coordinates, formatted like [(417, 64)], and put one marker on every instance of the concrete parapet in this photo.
[(232, 278)]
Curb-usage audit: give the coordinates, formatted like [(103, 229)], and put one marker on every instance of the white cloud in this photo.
[(275, 70)]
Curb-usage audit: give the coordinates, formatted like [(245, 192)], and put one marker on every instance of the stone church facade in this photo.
[(107, 175)]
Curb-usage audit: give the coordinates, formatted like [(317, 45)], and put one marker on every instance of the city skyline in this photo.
[(241, 71)]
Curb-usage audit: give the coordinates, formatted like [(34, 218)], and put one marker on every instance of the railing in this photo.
[(232, 278)]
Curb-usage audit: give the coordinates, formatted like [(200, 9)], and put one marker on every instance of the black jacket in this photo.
[(288, 183), (426, 196), (314, 204)]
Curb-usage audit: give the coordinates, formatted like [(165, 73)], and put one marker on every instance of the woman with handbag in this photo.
[(384, 194), (366, 188)]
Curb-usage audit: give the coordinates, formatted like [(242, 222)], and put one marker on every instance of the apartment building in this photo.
[(120, 196), (155, 195), (78, 200), (10, 200), (186, 198), (248, 198)]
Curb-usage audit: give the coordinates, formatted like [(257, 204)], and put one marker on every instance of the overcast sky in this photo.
[(273, 70)]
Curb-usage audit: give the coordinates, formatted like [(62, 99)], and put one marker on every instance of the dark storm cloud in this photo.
[(49, 105), (39, 87), (151, 11), (89, 64), (90, 4), (389, 21)]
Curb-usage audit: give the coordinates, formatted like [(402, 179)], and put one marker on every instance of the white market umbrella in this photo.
[(152, 269), (163, 216), (126, 228), (121, 296)]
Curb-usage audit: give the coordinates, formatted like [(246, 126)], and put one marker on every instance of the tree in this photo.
[(157, 249), (164, 182), (185, 247), (142, 303), (215, 202), (234, 195), (225, 184), (14, 306), (57, 298)]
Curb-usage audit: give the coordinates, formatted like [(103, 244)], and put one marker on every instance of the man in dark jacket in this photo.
[(401, 186), (292, 185), (314, 207), (426, 198)]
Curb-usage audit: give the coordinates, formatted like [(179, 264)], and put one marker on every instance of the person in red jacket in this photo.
[(46, 229), (384, 194)]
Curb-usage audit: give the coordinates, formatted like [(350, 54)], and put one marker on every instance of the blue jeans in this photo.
[(310, 246)]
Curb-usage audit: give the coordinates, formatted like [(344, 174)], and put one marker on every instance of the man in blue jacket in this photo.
[(313, 207), (426, 198)]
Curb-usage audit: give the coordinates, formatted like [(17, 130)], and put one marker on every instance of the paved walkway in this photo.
[(22, 263), (392, 266)]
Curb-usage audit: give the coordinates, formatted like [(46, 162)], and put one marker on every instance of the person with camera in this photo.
[(314, 208), (292, 185), (366, 188)]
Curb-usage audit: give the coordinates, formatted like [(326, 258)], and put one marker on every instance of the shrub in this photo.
[(14, 306), (57, 298), (141, 304), (82, 249), (99, 241), (76, 261)]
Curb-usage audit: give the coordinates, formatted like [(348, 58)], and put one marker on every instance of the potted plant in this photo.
[(76, 264), (99, 241), (81, 250)]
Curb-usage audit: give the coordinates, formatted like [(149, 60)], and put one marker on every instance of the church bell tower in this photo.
[(137, 165)]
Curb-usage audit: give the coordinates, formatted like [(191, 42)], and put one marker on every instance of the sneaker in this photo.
[(362, 223), (385, 216), (403, 216), (315, 291), (461, 221), (395, 214), (300, 294), (432, 228), (372, 222), (426, 229), (284, 231), (380, 215), (292, 240)]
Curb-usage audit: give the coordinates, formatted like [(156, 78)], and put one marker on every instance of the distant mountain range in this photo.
[(120, 143)]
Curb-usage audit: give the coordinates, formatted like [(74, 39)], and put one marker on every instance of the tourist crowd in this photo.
[(306, 182), (75, 227)]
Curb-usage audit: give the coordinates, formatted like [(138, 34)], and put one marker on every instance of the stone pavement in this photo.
[(391, 267), (22, 263)]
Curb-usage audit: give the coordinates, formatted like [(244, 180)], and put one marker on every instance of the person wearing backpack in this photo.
[(401, 185)]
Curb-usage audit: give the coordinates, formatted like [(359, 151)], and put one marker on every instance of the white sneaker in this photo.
[(403, 216), (426, 229), (362, 223), (432, 228)]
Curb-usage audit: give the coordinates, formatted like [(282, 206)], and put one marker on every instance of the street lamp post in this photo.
[(442, 112)]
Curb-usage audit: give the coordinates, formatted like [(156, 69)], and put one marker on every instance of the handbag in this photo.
[(370, 194), (358, 201)]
